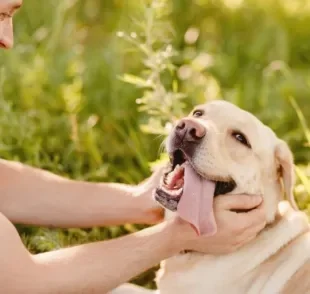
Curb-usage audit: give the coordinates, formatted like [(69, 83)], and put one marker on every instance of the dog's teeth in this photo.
[(176, 192), (169, 178), (165, 190), (178, 168)]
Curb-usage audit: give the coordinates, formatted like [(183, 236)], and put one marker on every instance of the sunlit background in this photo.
[(91, 87)]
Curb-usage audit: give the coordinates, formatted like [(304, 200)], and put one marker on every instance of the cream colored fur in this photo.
[(263, 266), (266, 264)]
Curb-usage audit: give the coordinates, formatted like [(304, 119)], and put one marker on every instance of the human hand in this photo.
[(143, 194), (233, 229)]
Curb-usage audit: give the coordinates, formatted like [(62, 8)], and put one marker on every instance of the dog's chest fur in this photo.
[(263, 266)]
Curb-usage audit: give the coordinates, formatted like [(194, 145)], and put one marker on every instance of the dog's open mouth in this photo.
[(197, 201), (169, 192), (171, 188)]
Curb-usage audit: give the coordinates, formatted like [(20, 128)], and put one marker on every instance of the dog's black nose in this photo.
[(190, 130)]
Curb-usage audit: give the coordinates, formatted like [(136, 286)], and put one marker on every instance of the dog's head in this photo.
[(231, 148)]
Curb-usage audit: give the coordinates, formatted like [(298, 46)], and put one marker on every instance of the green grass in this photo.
[(90, 86)]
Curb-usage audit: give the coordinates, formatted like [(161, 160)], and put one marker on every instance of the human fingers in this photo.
[(238, 202), (252, 218), (242, 242), (154, 179), (246, 222)]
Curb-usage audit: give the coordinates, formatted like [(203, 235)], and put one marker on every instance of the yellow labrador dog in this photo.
[(220, 148)]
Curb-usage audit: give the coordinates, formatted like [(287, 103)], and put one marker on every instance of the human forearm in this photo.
[(34, 196), (100, 267), (90, 268)]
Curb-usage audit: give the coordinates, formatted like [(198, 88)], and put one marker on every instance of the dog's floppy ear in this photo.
[(285, 165)]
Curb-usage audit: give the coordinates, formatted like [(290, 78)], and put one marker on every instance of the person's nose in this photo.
[(190, 130), (6, 33)]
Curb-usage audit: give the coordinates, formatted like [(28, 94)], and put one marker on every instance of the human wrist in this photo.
[(149, 211), (174, 241), (183, 235)]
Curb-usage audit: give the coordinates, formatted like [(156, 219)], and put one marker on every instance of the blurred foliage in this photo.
[(87, 73)]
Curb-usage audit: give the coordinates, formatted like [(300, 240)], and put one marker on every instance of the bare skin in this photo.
[(101, 266), (7, 10), (34, 196)]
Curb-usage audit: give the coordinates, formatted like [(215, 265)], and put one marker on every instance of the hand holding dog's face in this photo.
[(230, 148), (234, 229)]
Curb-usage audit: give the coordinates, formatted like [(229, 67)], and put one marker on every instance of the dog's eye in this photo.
[(198, 113), (241, 138)]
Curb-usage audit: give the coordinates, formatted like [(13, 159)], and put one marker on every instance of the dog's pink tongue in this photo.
[(196, 203)]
